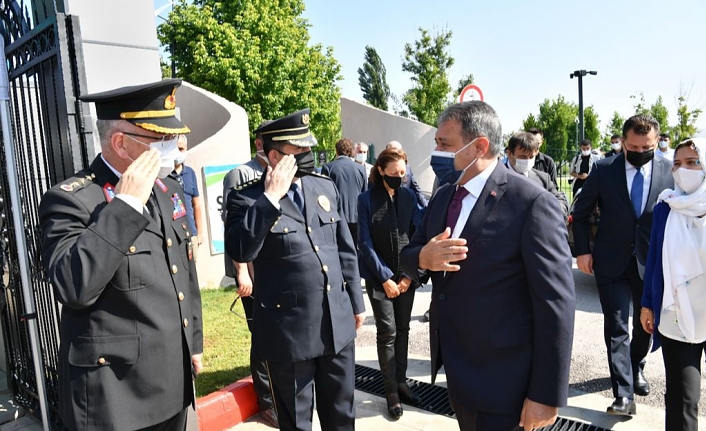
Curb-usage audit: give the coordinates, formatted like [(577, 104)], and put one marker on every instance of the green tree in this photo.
[(557, 120), (661, 114), (686, 120), (256, 53), (428, 61), (467, 80), (372, 78), (640, 104), (615, 127)]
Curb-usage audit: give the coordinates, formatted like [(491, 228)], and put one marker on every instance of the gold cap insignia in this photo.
[(305, 119), (324, 203), (170, 101)]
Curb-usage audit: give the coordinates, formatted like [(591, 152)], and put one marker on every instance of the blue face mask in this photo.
[(442, 162)]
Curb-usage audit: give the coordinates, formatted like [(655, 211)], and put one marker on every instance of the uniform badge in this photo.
[(170, 101), (161, 185), (324, 203), (109, 192), (67, 187), (305, 119), (179, 208)]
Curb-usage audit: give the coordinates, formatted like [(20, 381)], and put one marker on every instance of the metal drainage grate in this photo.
[(435, 399)]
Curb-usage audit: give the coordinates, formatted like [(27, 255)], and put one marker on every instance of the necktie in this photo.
[(455, 207), (296, 196), (636, 192)]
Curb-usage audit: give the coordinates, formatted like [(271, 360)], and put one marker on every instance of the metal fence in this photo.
[(49, 141)]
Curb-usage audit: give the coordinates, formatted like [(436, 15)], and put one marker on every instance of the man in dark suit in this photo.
[(409, 181), (350, 180), (309, 303), (117, 249), (502, 310), (522, 150), (625, 187)]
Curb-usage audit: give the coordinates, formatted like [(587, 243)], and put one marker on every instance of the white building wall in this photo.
[(364, 123)]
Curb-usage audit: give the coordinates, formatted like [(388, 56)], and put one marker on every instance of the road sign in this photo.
[(471, 92)]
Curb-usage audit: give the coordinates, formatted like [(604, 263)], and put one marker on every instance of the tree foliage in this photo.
[(660, 113), (467, 80), (557, 120), (256, 53), (428, 61), (372, 78)]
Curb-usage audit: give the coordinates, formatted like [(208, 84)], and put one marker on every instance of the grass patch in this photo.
[(226, 342)]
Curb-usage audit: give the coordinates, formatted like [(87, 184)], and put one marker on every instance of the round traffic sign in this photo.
[(471, 92)]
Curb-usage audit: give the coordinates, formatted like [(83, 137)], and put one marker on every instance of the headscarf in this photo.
[(682, 266)]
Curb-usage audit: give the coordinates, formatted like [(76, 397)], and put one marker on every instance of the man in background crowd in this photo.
[(582, 164), (663, 149), (361, 157), (615, 146), (192, 199), (350, 180), (543, 162)]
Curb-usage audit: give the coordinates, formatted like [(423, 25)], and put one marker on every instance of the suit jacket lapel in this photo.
[(443, 199), (621, 182), (490, 195), (659, 167)]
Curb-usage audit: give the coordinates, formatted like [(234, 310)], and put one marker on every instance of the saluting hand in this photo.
[(441, 251), (138, 179), (280, 177)]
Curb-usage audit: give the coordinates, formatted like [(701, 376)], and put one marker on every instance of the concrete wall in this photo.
[(364, 123), (219, 136)]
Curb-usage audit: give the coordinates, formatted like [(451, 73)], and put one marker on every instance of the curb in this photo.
[(227, 407)]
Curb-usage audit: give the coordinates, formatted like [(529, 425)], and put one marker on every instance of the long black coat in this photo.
[(306, 271), (131, 315), (350, 180)]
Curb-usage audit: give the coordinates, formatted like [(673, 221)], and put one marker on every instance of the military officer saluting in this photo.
[(309, 302), (118, 253)]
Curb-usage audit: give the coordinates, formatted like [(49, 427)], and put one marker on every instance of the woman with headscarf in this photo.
[(387, 215), (674, 297)]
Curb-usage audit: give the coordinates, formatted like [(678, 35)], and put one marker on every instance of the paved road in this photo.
[(589, 367)]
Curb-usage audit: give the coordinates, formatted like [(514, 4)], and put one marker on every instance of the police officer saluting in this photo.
[(117, 249), (308, 302)]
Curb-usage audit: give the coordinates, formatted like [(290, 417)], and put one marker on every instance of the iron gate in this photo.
[(44, 59)]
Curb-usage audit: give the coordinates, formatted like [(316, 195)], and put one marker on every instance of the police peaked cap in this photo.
[(292, 129), (149, 106)]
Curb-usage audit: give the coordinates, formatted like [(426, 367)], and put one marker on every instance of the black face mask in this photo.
[(305, 164), (638, 159), (393, 182)]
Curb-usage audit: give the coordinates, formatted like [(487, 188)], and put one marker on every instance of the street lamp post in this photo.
[(580, 74)]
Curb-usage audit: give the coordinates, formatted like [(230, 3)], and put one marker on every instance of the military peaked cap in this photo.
[(149, 106)]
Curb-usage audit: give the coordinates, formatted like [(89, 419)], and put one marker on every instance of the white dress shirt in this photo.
[(475, 187), (630, 172)]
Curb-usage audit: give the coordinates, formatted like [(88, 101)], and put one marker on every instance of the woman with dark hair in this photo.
[(674, 297), (387, 215)]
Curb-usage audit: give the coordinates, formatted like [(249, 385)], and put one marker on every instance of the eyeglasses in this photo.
[(235, 301)]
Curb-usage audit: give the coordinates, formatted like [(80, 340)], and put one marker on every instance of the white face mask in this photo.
[(585, 152), (180, 159), (524, 165), (688, 179), (168, 152), (361, 157), (615, 146), (663, 144)]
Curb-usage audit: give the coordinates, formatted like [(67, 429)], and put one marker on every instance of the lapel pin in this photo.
[(492, 193)]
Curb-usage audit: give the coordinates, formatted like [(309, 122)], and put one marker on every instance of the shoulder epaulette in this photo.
[(250, 183), (320, 175), (77, 182)]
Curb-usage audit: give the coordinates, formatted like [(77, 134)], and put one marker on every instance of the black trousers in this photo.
[(469, 420), (682, 363), (392, 323), (625, 356), (293, 388), (258, 368), (175, 423)]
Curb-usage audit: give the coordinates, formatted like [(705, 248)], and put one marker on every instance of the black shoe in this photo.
[(425, 318), (640, 385), (622, 406), (408, 396), (394, 408), (269, 416)]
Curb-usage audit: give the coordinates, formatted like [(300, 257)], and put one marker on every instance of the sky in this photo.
[(521, 52)]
